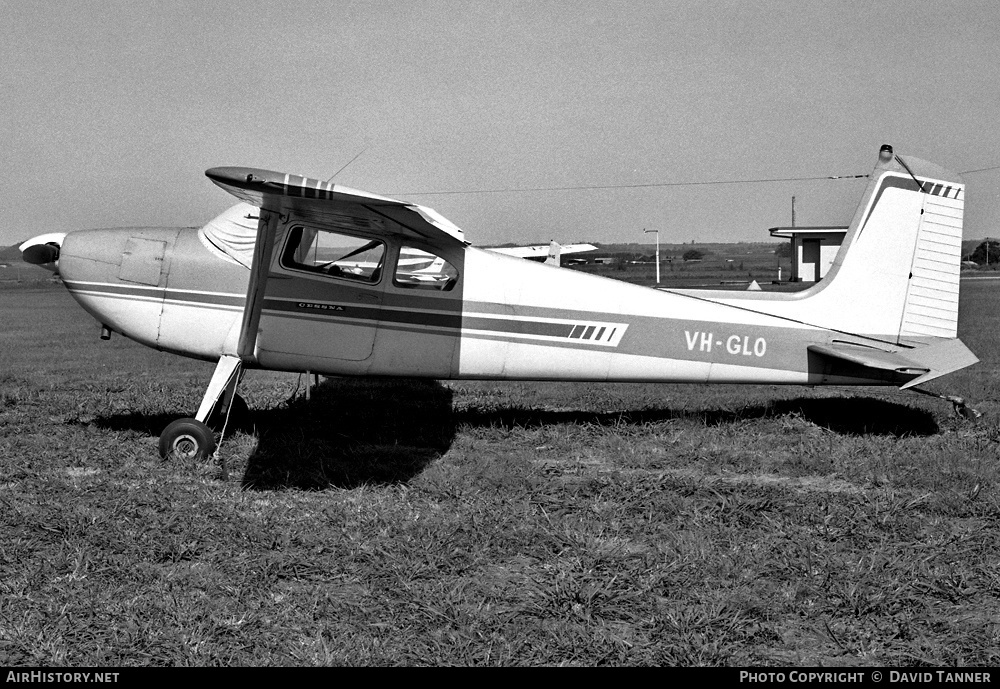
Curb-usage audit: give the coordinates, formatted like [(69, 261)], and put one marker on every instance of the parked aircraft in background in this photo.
[(305, 275), (420, 266), (550, 253)]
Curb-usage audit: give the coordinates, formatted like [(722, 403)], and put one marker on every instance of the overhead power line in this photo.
[(982, 169), (651, 185), (518, 190)]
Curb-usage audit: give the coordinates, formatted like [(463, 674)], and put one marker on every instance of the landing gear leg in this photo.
[(192, 438)]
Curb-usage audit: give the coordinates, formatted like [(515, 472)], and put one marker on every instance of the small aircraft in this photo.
[(309, 276), (550, 254)]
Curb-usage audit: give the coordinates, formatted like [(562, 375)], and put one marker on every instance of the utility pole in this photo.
[(793, 211), (657, 252)]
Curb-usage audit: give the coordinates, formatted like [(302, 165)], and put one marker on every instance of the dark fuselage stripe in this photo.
[(450, 321), (347, 312), (156, 294)]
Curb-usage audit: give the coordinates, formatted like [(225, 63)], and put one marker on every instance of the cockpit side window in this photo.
[(335, 254), (422, 269)]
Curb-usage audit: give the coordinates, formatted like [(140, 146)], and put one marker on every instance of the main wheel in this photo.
[(187, 439)]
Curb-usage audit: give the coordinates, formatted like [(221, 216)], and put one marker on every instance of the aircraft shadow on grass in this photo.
[(855, 416), (352, 432), (358, 431)]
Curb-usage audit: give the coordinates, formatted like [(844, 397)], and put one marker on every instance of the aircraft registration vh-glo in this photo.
[(308, 276)]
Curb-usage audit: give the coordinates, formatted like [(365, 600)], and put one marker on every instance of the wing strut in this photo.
[(192, 437), (229, 370), (263, 250)]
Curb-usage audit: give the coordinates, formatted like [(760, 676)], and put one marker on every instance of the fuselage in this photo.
[(490, 317), (308, 275)]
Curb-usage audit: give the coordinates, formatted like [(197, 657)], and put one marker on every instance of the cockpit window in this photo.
[(420, 269), (334, 254)]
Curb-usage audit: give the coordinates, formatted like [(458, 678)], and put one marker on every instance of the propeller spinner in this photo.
[(43, 250)]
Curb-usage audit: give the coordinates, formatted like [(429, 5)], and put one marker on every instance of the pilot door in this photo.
[(323, 300)]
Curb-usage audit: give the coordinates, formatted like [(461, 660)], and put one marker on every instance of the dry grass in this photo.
[(415, 523)]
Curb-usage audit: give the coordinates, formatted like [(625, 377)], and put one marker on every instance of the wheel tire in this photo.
[(239, 415), (187, 439)]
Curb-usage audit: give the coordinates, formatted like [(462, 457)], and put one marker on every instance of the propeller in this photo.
[(43, 250)]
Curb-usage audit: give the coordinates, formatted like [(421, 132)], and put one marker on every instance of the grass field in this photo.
[(419, 523)]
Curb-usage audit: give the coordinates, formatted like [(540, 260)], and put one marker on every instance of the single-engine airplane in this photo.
[(550, 254), (305, 275)]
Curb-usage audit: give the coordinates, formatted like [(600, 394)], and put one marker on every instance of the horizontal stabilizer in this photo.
[(870, 358), (922, 363), (941, 358)]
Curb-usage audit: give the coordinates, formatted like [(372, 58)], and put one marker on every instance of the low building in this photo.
[(813, 249)]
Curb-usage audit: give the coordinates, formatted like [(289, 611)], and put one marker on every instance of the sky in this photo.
[(110, 112)]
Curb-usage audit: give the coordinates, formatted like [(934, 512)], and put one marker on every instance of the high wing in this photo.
[(280, 195), (316, 199)]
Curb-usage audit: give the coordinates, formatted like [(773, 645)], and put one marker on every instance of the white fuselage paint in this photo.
[(507, 318)]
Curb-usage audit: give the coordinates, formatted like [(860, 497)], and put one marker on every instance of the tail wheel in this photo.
[(187, 439)]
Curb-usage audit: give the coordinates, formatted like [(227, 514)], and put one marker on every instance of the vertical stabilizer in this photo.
[(555, 251), (897, 274)]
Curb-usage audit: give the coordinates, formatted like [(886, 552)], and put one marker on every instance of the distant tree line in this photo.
[(987, 253)]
